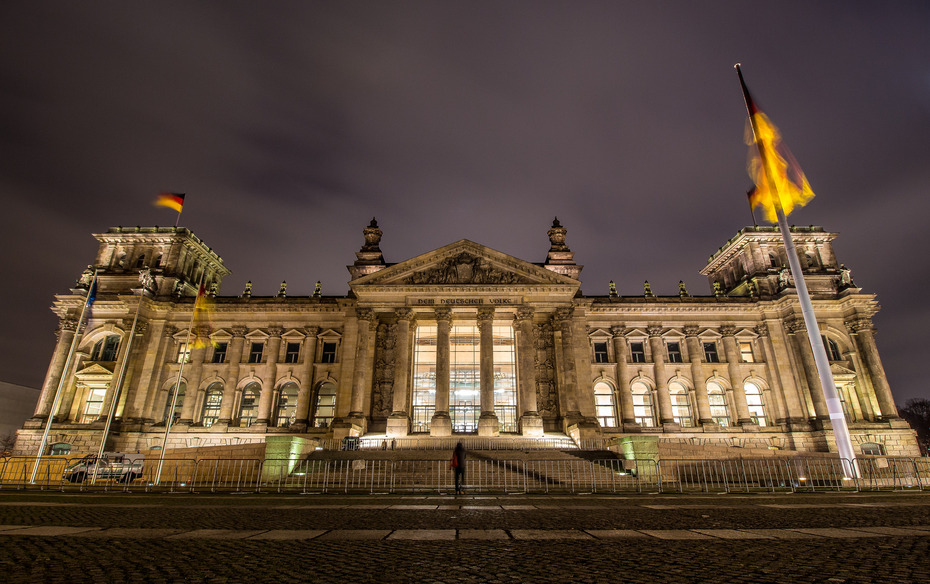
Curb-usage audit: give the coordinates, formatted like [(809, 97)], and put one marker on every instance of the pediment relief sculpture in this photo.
[(464, 268)]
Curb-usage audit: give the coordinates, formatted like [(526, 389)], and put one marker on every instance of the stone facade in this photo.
[(463, 339)]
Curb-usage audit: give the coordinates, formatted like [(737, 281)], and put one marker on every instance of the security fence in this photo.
[(470, 443), (484, 474)]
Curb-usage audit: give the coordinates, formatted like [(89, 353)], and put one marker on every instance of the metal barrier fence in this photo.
[(470, 443), (483, 475)]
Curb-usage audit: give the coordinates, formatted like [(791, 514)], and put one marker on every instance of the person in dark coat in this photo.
[(458, 465)]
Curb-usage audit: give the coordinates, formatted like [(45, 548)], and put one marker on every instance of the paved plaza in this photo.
[(830, 538)]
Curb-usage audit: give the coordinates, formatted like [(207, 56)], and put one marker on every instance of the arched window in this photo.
[(643, 412), (182, 390), (681, 404), (248, 410), (105, 349), (717, 399), (755, 403), (157, 262), (211, 404), (833, 350), (604, 405), (325, 406), (287, 405)]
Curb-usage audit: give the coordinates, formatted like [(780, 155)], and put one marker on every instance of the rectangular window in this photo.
[(424, 377), (255, 352), (674, 352), (600, 352), (292, 353), (184, 353), (219, 353), (94, 404), (745, 352), (710, 352), (329, 353), (637, 353), (505, 377)]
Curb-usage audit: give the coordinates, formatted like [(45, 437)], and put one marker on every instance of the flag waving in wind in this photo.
[(171, 200), (778, 178)]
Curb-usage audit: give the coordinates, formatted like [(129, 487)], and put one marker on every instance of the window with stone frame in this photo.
[(643, 410), (93, 405), (219, 352), (248, 407), (605, 405), (184, 353), (745, 352), (106, 349), (178, 404), (755, 403), (717, 400), (328, 354), (674, 351), (287, 405), (600, 352), (255, 352), (832, 348), (212, 402), (292, 353), (710, 352), (325, 406), (637, 352), (681, 404)]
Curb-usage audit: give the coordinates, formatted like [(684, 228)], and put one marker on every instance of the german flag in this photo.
[(173, 200)]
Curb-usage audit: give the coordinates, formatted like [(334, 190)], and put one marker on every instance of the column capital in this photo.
[(618, 331), (275, 331), (762, 329), (170, 330), (67, 324), (485, 313), (858, 325), (444, 313), (239, 331), (404, 313), (141, 327), (794, 325), (525, 313), (364, 314), (654, 330), (311, 331), (691, 330), (564, 313), (727, 330)]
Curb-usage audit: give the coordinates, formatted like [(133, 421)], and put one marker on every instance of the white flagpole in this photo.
[(119, 385), (61, 382), (177, 386), (834, 405)]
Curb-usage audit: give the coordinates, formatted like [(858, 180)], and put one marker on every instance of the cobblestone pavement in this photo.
[(790, 538)]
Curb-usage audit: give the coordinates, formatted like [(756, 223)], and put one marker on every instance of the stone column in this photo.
[(155, 402), (398, 423), (658, 359), (65, 334), (361, 375), (231, 373), (623, 375), (266, 400), (488, 424), (193, 393), (782, 367), (569, 378), (768, 356), (531, 423), (305, 376), (862, 331), (736, 379), (695, 355), (441, 423), (797, 332)]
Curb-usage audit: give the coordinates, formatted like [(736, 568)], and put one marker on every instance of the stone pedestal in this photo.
[(440, 425), (582, 429), (531, 425), (488, 425), (398, 425), (349, 427)]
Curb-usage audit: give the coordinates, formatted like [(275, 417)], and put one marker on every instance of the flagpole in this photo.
[(752, 211), (61, 382), (177, 219), (834, 405), (177, 386), (119, 385)]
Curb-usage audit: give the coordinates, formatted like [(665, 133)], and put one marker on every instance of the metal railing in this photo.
[(470, 443), (483, 475)]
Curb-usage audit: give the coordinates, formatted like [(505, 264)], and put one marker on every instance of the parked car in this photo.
[(121, 466)]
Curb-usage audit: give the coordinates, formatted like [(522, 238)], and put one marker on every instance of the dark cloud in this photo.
[(290, 125)]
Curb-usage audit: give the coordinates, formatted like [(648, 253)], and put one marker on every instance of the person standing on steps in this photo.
[(458, 466)]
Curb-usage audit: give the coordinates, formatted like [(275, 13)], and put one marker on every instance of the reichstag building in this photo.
[(465, 340)]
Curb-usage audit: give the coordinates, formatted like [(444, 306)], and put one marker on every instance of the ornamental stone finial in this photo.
[(146, 279), (613, 289), (556, 235), (682, 291), (247, 293), (372, 236), (318, 290), (718, 289), (86, 278), (647, 290), (282, 291)]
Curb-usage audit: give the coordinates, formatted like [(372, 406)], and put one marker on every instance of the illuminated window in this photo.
[(710, 352), (325, 408), (464, 377), (681, 404), (329, 353), (505, 378), (604, 405), (287, 405), (255, 352), (219, 353), (424, 377), (184, 353), (755, 403), (182, 389), (600, 352), (643, 411), (248, 408), (872, 449), (93, 405), (745, 352), (637, 353), (674, 352), (211, 404), (106, 349), (292, 353), (833, 350), (717, 399)]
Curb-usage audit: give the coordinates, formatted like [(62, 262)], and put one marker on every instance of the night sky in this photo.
[(289, 125)]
